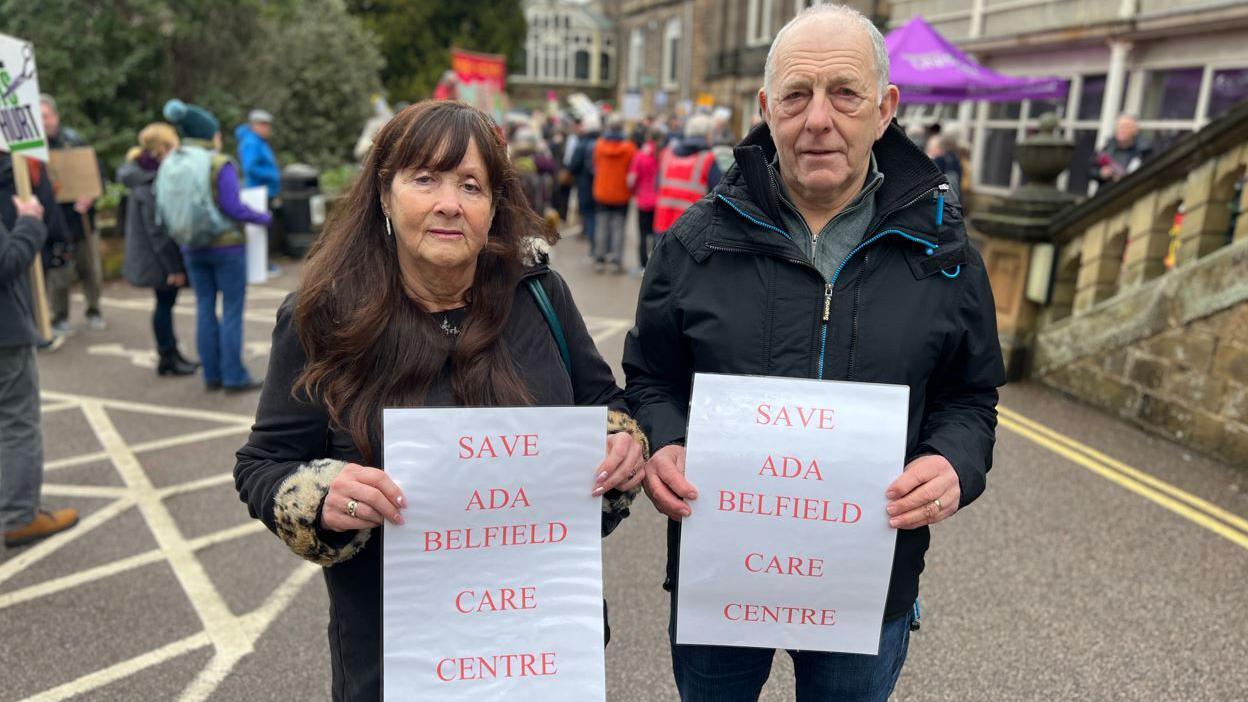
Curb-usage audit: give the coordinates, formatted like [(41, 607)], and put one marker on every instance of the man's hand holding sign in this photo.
[(926, 493)]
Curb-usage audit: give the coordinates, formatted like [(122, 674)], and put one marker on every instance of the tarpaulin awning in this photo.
[(929, 69)]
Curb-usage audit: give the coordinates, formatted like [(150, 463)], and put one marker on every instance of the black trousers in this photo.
[(645, 242)]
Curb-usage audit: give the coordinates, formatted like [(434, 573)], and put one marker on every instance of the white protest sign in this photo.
[(21, 122), (630, 105), (789, 545), (492, 589), (257, 198)]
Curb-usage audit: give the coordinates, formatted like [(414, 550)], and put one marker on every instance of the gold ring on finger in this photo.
[(937, 503), (351, 506)]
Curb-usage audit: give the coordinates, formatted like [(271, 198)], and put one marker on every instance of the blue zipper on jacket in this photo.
[(930, 249)]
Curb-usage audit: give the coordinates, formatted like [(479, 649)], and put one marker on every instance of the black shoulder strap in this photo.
[(548, 311)]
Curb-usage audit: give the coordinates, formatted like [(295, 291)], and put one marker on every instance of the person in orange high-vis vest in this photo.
[(686, 173)]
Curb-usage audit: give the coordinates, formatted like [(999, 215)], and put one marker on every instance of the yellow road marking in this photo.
[(1182, 503), (1163, 486)]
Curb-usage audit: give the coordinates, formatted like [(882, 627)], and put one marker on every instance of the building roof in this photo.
[(585, 8)]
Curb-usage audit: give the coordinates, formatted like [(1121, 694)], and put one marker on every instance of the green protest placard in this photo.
[(21, 134), (21, 125)]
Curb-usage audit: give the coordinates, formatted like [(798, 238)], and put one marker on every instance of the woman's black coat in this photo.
[(151, 256), (293, 454)]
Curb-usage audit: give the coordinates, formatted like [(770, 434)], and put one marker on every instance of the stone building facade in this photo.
[(681, 53), (1148, 313), (571, 47), (1177, 64), (658, 40), (738, 36)]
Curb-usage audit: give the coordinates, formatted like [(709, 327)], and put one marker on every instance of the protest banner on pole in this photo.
[(492, 589), (789, 545), (21, 134), (482, 80)]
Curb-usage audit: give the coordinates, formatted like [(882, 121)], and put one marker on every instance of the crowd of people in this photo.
[(446, 304), (607, 164), (182, 219), (424, 290)]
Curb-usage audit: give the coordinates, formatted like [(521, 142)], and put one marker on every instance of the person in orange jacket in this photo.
[(612, 156)]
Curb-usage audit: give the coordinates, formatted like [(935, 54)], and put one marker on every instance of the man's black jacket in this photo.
[(728, 291)]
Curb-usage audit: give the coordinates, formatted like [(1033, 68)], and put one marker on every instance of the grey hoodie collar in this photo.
[(872, 183)]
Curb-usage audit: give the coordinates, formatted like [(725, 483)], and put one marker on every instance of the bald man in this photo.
[(834, 250)]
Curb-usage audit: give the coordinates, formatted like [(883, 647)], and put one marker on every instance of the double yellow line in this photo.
[(1180, 502)]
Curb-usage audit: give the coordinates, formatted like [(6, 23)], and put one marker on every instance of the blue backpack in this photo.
[(184, 201)]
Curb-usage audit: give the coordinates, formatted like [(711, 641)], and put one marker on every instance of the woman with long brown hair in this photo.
[(417, 294)]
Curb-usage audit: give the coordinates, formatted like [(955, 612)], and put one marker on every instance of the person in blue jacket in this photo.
[(259, 164), (255, 154)]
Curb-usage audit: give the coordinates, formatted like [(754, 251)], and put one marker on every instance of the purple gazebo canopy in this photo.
[(928, 69)]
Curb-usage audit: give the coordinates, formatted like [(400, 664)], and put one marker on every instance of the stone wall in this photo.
[(1171, 357)]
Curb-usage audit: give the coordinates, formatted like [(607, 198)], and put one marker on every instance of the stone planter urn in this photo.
[(1044, 155)]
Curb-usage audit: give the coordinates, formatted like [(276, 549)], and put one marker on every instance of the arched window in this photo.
[(582, 65)]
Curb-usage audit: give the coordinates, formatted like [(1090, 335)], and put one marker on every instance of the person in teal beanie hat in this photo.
[(192, 121), (220, 267)]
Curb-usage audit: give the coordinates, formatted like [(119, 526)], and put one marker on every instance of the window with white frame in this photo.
[(671, 54), (758, 23), (1228, 87), (1003, 125), (636, 57)]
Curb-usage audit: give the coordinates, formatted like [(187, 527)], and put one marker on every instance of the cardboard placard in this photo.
[(75, 174)]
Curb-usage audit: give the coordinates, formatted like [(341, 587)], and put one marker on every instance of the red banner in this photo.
[(487, 69)]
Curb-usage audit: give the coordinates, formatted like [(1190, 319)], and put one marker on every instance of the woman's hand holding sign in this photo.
[(666, 484), (361, 498), (623, 468), (927, 492)]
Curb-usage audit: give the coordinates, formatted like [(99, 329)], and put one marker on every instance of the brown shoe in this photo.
[(44, 525)]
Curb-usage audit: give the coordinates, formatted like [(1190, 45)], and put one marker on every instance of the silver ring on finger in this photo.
[(352, 505)]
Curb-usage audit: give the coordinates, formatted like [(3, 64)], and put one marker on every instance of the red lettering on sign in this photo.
[(790, 467), (499, 498), (807, 417), (778, 614), (807, 508), (496, 536), (522, 445), (503, 665), (792, 565), (500, 600)]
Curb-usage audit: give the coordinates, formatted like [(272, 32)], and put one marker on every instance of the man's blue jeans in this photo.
[(220, 343), (731, 674)]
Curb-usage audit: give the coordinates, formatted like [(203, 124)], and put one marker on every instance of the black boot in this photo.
[(172, 363), (183, 359)]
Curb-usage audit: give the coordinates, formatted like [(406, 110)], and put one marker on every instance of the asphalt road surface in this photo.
[(1101, 563)]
